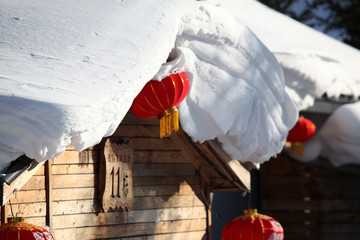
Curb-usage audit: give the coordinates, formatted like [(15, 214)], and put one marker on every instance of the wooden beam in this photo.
[(49, 194)]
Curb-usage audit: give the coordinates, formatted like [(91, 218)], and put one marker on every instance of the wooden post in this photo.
[(206, 192), (48, 189), (3, 214)]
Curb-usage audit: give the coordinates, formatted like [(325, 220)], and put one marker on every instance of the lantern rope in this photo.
[(11, 209)]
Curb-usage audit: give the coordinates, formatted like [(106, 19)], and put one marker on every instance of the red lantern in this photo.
[(302, 132), (254, 226), (16, 229), (159, 99)]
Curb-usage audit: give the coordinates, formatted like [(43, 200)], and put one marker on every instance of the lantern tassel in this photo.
[(169, 121), (297, 149)]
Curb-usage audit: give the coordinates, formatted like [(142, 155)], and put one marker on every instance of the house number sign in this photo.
[(118, 182)]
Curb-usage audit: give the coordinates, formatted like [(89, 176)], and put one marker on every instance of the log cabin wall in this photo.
[(168, 193), (312, 201)]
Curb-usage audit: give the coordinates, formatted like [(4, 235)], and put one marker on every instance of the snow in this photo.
[(338, 139), (70, 71), (313, 63)]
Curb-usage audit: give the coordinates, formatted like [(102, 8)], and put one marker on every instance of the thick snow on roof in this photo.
[(339, 138), (70, 70), (313, 63)]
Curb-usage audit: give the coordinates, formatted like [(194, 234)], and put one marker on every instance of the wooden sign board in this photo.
[(116, 176)]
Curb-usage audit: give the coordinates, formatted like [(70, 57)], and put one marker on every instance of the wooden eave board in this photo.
[(221, 174), (8, 191), (233, 166)]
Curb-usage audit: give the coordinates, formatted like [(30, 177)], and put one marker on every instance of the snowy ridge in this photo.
[(75, 83), (313, 63)]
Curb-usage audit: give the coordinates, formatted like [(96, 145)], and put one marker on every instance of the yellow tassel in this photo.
[(168, 124), (162, 127), (297, 150), (175, 121), (169, 121)]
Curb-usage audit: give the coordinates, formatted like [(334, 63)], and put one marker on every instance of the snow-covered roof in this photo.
[(70, 70), (313, 63)]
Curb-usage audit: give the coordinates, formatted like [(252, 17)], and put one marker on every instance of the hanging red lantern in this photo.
[(16, 229), (254, 226), (302, 132), (160, 99)]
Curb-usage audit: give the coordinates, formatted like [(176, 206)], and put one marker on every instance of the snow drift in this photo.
[(70, 71)]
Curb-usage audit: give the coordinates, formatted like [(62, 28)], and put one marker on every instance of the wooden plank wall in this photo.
[(312, 201), (168, 202)]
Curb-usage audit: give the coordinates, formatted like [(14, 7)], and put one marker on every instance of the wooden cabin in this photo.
[(314, 200), (151, 188)]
